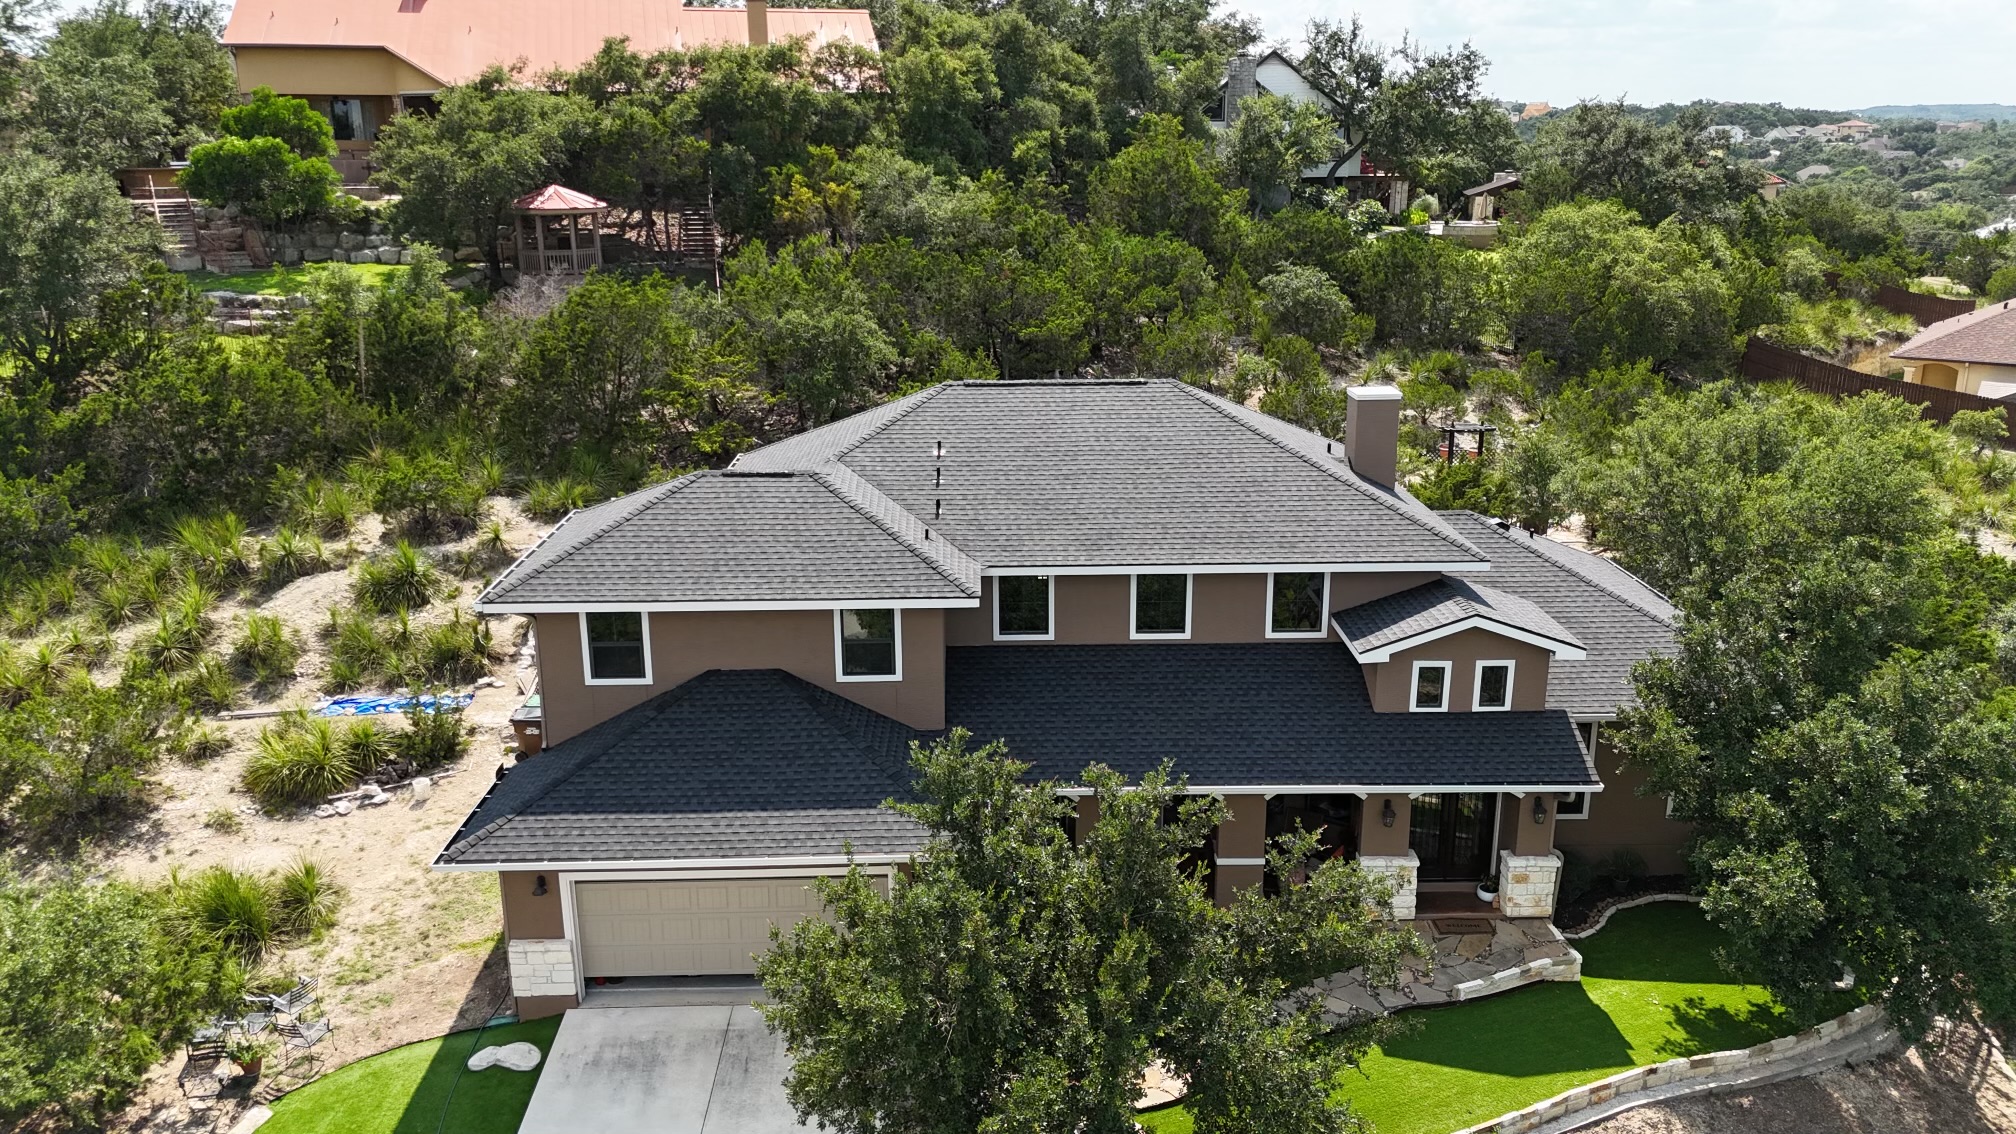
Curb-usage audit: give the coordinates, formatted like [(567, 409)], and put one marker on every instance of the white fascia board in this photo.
[(1350, 789), (1241, 568), (764, 604), (785, 861), (1562, 651)]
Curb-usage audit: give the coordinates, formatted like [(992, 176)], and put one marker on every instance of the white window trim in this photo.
[(1414, 686), (1050, 609), (1134, 606), (1322, 609), (839, 668), (1588, 798), (1477, 704), (588, 655)]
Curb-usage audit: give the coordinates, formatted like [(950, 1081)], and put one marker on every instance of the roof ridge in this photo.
[(1569, 567), (824, 477), (619, 517), (1341, 476), (928, 393), (823, 702)]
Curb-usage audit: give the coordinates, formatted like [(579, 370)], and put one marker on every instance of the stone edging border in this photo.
[(1532, 972), (1770, 1055), (1603, 918)]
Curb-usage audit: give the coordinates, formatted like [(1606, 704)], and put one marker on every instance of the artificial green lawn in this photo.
[(415, 1089), (1650, 991), (278, 280)]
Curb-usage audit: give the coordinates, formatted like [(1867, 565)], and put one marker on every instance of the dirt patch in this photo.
[(1956, 1083)]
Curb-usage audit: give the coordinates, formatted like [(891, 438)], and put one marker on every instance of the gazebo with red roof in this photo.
[(558, 231)]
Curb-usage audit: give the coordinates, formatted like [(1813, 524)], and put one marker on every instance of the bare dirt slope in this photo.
[(1956, 1083)]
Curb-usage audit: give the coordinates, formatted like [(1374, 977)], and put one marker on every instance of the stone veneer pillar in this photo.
[(1527, 883), (542, 967), (1403, 871)]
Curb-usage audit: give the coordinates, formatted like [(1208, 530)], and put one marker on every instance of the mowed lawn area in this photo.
[(278, 280), (1650, 991), (421, 1088)]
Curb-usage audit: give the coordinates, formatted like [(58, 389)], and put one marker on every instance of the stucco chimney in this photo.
[(1240, 84), (759, 22), (1372, 432)]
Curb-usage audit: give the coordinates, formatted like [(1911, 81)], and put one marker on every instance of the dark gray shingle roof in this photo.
[(1076, 473), (1619, 619), (732, 764), (738, 537), (1384, 622), (1273, 713)]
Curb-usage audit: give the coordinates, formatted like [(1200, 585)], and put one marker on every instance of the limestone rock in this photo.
[(314, 255), (405, 255), (364, 256), (349, 241), (1473, 945), (388, 255)]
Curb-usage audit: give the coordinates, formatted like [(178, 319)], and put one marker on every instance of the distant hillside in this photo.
[(1945, 111)]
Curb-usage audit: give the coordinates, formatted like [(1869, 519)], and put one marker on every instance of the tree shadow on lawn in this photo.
[(1545, 1029)]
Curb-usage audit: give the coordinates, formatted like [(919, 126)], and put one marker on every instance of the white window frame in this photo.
[(588, 655), (1477, 704), (1050, 609), (839, 641), (1414, 686), (1134, 607), (1322, 609), (1588, 798)]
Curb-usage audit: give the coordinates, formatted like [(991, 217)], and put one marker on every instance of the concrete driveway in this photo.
[(711, 1069)]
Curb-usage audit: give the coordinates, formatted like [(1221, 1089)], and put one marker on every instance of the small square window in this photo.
[(616, 646), (1431, 687), (1162, 605), (1494, 686), (868, 644), (1571, 805), (1295, 603), (1022, 606)]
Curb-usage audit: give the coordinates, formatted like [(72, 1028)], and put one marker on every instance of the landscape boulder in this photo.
[(511, 1056)]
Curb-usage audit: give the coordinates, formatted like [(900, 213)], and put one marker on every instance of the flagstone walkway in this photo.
[(1512, 953)]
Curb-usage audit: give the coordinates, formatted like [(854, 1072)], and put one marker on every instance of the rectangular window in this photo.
[(1494, 686), (617, 647), (1161, 606), (1571, 805), (869, 644), (1022, 606), (1431, 686), (1295, 604)]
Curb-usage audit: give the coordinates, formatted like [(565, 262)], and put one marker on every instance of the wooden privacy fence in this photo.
[(1768, 362), (1927, 309)]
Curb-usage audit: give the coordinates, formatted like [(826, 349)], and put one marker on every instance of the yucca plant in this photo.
[(305, 900), (56, 592), (458, 650), (325, 507), (358, 651), (26, 610), (215, 548), (106, 559), (192, 602), (300, 759), (195, 742), (230, 908), (291, 554), (47, 663), (17, 684), (552, 499), (267, 651), (367, 744), (86, 647), (398, 580), (118, 602), (343, 676), (174, 642), (489, 475), (207, 685)]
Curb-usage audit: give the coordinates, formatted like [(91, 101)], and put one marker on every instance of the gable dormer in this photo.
[(1453, 646)]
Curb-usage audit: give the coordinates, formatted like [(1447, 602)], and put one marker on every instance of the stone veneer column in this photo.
[(1403, 870), (542, 967), (1527, 882), (1241, 847)]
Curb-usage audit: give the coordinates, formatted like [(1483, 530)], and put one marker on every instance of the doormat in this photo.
[(1458, 926)]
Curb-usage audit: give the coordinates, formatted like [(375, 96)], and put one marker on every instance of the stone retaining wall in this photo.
[(1403, 871), (541, 967), (1713, 1065), (1568, 967), (1603, 917)]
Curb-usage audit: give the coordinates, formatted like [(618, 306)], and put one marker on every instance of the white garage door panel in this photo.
[(711, 927)]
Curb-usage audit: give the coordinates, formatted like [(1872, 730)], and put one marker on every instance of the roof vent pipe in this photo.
[(1372, 432)]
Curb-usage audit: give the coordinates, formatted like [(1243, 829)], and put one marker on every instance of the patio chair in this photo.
[(300, 1038), (199, 1078), (295, 1002)]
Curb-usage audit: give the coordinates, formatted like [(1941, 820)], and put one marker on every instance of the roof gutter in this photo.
[(786, 861)]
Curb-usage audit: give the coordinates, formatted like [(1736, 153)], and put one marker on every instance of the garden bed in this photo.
[(1587, 909)]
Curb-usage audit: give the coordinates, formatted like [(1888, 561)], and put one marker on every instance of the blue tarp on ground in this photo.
[(397, 703)]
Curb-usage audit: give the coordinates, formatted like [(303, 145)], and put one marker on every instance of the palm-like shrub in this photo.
[(458, 650), (300, 759), (291, 554), (118, 602), (215, 548), (358, 651), (230, 908), (398, 580), (317, 504), (194, 742), (174, 643), (106, 559), (368, 745), (305, 901), (552, 499), (207, 685), (267, 650)]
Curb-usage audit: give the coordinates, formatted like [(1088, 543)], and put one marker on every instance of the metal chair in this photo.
[(199, 1078), (300, 1038), (297, 1000)]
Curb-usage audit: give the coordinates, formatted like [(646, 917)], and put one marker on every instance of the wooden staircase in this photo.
[(175, 212)]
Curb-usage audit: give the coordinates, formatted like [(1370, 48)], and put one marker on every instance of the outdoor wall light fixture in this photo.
[(1539, 809), (539, 886), (1386, 813)]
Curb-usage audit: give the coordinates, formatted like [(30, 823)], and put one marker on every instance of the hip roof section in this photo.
[(1376, 630), (1986, 336)]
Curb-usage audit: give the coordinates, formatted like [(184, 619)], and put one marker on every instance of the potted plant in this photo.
[(249, 1053), (1487, 889)]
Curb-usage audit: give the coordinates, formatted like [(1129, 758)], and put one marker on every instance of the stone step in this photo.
[(227, 263)]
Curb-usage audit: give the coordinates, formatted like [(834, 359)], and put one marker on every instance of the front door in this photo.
[(1452, 834)]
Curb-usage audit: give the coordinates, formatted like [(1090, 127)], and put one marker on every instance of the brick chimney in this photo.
[(1240, 84), (759, 22), (1372, 432)]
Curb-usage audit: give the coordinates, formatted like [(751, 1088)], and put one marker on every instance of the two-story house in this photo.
[(733, 665)]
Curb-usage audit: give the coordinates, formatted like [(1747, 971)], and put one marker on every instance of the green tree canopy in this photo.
[(160, 76), (1606, 151), (1013, 980), (292, 120)]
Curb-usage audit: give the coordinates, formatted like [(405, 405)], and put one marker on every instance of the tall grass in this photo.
[(267, 650), (299, 760), (398, 580), (305, 900)]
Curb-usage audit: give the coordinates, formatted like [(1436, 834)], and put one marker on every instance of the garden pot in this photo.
[(251, 1070), (1487, 894)]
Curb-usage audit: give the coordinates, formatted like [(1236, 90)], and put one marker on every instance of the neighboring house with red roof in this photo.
[(361, 61), (1973, 353)]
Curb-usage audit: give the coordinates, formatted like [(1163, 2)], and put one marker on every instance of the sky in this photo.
[(1828, 54)]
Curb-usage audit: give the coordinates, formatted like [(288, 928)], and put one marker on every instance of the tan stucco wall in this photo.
[(687, 644), (1374, 837), (527, 917), (1391, 683), (1243, 834), (1519, 833), (1620, 818), (1093, 609), (329, 71), (1967, 380)]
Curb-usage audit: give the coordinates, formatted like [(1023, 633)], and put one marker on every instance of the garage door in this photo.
[(685, 928)]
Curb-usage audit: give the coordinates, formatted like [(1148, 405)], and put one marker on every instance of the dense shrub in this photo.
[(299, 760), (267, 650), (263, 177), (74, 756), (427, 495), (431, 739), (453, 652), (399, 580)]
